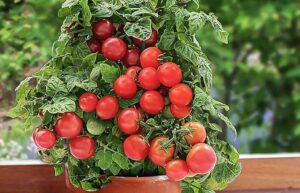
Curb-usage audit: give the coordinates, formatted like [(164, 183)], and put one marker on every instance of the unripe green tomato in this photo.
[(95, 126), (167, 113)]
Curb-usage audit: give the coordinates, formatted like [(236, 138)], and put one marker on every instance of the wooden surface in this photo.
[(279, 174)]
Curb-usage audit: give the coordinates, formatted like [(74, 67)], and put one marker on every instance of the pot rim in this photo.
[(139, 178)]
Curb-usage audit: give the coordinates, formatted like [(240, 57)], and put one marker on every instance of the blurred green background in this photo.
[(257, 73)]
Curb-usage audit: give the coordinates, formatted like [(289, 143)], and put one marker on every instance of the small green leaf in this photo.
[(87, 15), (170, 3), (121, 160), (90, 59), (109, 73), (58, 170), (227, 122), (104, 159), (55, 87), (60, 105), (167, 40), (140, 29), (115, 169), (124, 103)]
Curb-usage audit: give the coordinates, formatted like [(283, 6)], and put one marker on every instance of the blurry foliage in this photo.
[(259, 73)]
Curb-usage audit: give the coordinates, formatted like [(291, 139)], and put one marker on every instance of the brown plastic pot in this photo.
[(155, 184)]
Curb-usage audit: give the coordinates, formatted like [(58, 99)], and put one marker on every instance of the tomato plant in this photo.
[(165, 101)]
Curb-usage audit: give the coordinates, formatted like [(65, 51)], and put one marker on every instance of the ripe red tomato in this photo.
[(133, 71), (94, 46), (148, 78), (127, 121), (181, 94), (88, 102), (103, 29), (198, 133), (201, 159), (149, 57), (82, 147), (125, 87), (132, 58), (152, 102), (177, 170), (180, 112), (149, 42), (136, 148), (44, 138), (68, 126), (107, 107), (114, 49), (169, 74), (158, 155)]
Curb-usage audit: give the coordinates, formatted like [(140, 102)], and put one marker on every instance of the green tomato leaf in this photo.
[(86, 12), (140, 29), (170, 3), (121, 160), (60, 105), (55, 87), (58, 170), (167, 40), (227, 122), (104, 159), (127, 103), (109, 73), (115, 169)]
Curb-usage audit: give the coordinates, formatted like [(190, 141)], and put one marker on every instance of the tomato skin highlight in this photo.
[(169, 74), (201, 159), (177, 170), (148, 78), (181, 95), (132, 58), (125, 87), (88, 102), (149, 42), (94, 46), (136, 148), (107, 107), (149, 57), (180, 112), (133, 71), (44, 138), (68, 126), (198, 133), (103, 29), (158, 156), (128, 121), (152, 102), (82, 147), (114, 49)]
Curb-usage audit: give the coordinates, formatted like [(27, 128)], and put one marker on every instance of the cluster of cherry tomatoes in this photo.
[(145, 72)]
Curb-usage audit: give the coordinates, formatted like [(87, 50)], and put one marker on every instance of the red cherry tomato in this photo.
[(149, 42), (103, 29), (88, 102), (152, 102), (198, 133), (177, 170), (125, 87), (136, 148), (169, 74), (68, 126), (181, 94), (158, 155), (148, 78), (44, 138), (133, 71), (201, 159), (180, 112), (94, 46), (132, 58), (127, 121), (114, 49), (82, 147), (149, 57), (107, 107)]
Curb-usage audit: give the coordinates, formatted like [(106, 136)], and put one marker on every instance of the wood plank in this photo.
[(269, 174)]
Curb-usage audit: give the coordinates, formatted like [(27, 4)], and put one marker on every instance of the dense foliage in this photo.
[(73, 70)]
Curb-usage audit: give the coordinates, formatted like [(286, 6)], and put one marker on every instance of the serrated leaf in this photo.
[(167, 40), (60, 105), (104, 159), (121, 160), (115, 169), (228, 123), (90, 59), (58, 170), (222, 34), (55, 87), (86, 12), (109, 73), (170, 3), (140, 29)]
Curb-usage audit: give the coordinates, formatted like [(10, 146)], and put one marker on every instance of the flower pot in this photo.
[(155, 184)]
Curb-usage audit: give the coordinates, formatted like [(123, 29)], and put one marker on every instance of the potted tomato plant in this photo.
[(124, 103)]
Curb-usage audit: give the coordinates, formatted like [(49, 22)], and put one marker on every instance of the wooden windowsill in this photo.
[(267, 173)]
